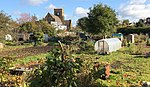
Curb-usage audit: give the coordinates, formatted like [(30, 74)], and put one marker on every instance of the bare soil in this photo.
[(24, 52)]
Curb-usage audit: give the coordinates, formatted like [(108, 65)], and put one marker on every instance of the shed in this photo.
[(106, 46), (130, 38), (118, 35), (46, 37), (23, 36)]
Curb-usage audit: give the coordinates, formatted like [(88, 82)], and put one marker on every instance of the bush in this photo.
[(148, 42), (60, 70), (140, 38), (5, 64), (135, 49), (133, 30), (124, 42), (86, 46)]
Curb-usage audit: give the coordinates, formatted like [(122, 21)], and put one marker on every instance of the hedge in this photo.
[(134, 30)]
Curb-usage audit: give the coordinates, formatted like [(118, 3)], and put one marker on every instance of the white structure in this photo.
[(106, 46), (66, 33), (8, 37), (46, 37), (59, 26), (130, 38)]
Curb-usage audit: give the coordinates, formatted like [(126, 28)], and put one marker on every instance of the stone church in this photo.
[(57, 19)]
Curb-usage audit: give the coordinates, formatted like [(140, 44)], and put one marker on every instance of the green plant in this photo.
[(101, 20), (86, 46), (135, 49), (148, 42), (59, 70), (140, 38), (5, 64), (133, 30), (124, 42)]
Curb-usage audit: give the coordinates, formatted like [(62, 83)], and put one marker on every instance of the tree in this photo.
[(38, 37), (101, 20), (140, 23), (38, 28), (82, 23), (24, 17), (125, 22), (34, 18), (6, 24), (47, 28)]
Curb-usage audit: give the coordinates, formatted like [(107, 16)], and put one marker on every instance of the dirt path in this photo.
[(24, 52)]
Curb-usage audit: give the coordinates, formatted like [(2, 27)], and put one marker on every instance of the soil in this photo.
[(24, 52)]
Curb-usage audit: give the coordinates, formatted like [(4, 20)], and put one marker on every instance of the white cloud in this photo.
[(135, 9), (36, 2), (50, 7), (81, 12), (137, 1)]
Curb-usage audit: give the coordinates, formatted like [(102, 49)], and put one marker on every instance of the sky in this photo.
[(75, 9)]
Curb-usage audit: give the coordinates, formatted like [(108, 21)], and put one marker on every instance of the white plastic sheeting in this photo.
[(105, 46), (8, 37)]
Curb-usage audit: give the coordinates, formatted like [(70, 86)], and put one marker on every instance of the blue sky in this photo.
[(74, 9)]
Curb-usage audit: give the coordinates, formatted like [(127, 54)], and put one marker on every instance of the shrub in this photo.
[(60, 70), (135, 49), (140, 38), (133, 30), (124, 42), (86, 46), (5, 64), (148, 42)]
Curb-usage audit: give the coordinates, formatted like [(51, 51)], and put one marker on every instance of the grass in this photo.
[(29, 59), (132, 68), (8, 48), (127, 69)]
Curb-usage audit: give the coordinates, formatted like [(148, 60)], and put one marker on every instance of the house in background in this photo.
[(57, 19)]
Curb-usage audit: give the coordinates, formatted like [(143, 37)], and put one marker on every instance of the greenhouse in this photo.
[(105, 46)]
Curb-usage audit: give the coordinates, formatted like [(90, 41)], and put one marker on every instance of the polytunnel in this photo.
[(106, 46)]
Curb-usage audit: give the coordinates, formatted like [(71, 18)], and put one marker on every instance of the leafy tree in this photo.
[(125, 22), (36, 26), (140, 23), (101, 20), (37, 37), (6, 24), (46, 28), (82, 23), (26, 27)]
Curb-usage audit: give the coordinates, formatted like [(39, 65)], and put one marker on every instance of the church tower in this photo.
[(60, 13)]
